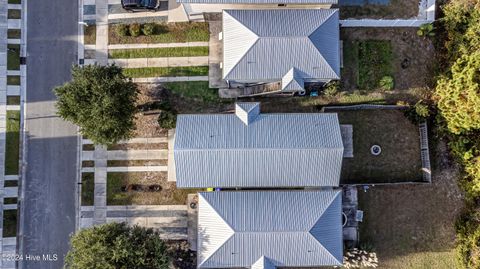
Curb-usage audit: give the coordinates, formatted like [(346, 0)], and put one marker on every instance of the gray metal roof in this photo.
[(285, 228), (264, 45), (272, 150)]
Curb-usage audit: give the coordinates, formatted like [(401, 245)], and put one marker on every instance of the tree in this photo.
[(459, 95), (101, 100), (116, 245)]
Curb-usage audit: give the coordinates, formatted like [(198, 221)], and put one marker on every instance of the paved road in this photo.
[(50, 178)]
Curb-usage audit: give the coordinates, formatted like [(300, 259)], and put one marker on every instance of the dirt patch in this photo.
[(403, 220), (117, 163), (396, 9), (138, 146), (147, 124), (413, 56)]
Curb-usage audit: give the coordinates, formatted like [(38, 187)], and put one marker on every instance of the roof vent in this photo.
[(247, 112)]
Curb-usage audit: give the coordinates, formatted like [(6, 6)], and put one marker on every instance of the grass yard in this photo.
[(158, 52), (14, 1), (397, 136), (166, 33), (196, 90), (14, 33), (10, 200), (370, 53), (13, 58), (412, 226), (146, 72), (90, 34), (13, 80), (168, 194), (14, 14), (12, 143), (9, 223), (88, 189), (374, 62), (395, 9)]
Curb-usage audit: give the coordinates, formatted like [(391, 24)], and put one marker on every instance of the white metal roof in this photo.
[(263, 45), (272, 150), (284, 228)]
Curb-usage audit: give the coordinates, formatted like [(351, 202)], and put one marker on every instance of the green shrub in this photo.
[(426, 30), (418, 112), (167, 119), (386, 83), (122, 29), (148, 29), (332, 88), (468, 239), (135, 29)]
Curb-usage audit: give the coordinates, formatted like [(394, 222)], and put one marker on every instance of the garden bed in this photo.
[(147, 72), (158, 52), (410, 59), (388, 9), (165, 33), (137, 146), (13, 80), (398, 138), (12, 143), (167, 195), (14, 33), (13, 100), (89, 34), (14, 14)]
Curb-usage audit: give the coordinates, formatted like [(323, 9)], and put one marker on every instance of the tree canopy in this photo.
[(101, 101), (117, 246)]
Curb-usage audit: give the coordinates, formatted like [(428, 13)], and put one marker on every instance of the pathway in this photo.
[(160, 62), (8, 245)]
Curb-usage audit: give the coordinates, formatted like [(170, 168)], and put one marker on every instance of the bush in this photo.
[(135, 29), (122, 30), (148, 29), (116, 245), (167, 119), (468, 239), (418, 113), (386, 83), (426, 30), (332, 88)]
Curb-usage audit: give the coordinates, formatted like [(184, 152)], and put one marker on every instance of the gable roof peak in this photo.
[(247, 112)]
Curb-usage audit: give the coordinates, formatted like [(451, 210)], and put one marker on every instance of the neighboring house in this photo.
[(196, 8), (269, 229), (252, 150), (292, 46)]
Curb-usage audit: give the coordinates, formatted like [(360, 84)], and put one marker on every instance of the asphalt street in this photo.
[(51, 144)]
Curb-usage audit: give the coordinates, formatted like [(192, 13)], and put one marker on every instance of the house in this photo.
[(269, 229), (196, 8), (291, 46), (249, 149)]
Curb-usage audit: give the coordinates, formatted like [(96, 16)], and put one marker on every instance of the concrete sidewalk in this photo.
[(157, 45), (161, 62)]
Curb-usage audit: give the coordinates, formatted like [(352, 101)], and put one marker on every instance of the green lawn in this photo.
[(14, 33), (158, 52), (88, 188), (197, 90), (13, 80), (10, 183), (374, 62), (12, 143), (165, 33), (13, 58), (10, 200), (14, 1), (9, 223), (14, 14), (166, 71)]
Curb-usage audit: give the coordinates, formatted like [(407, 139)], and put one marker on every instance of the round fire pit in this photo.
[(376, 150)]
